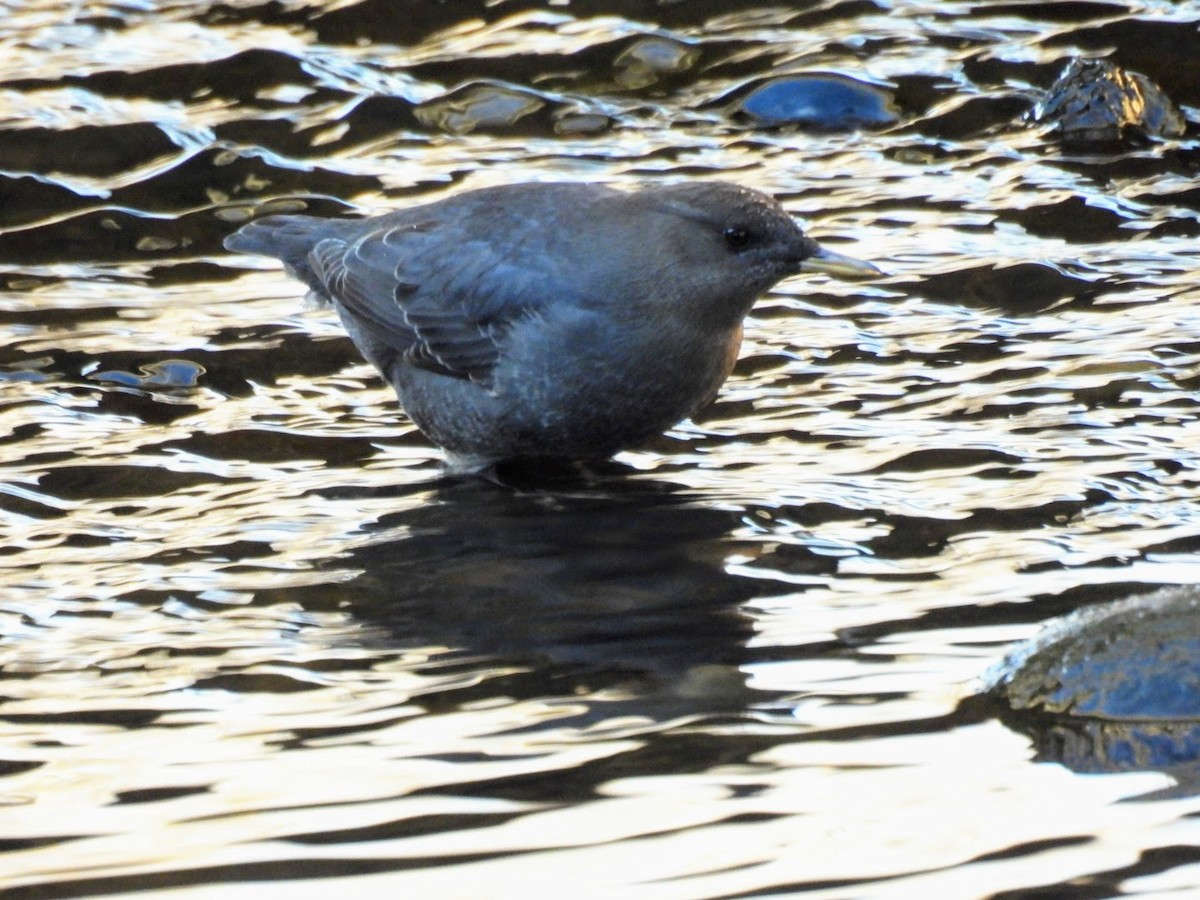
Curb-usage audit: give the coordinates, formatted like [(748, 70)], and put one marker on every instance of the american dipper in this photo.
[(554, 321)]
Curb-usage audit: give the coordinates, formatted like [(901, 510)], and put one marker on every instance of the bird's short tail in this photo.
[(289, 238), (286, 238)]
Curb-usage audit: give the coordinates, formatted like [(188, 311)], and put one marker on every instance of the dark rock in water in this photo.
[(1094, 101), (505, 109), (1132, 660), (826, 101), (651, 59), (1113, 687)]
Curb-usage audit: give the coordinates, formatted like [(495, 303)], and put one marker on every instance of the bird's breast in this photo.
[(645, 373)]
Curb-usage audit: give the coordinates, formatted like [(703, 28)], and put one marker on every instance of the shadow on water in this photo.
[(616, 581)]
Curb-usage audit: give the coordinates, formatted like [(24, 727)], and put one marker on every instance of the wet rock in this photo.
[(818, 100), (1094, 101), (1161, 46), (501, 108), (648, 60), (580, 120), (479, 107), (1111, 687)]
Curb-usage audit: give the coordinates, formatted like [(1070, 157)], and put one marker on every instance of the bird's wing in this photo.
[(441, 304)]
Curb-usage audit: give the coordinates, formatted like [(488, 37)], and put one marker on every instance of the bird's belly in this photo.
[(569, 399)]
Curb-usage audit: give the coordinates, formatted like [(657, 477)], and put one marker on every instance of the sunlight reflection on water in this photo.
[(250, 641)]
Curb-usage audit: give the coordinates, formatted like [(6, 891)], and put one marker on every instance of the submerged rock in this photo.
[(497, 108), (652, 58), (1111, 687), (480, 106), (1095, 101), (827, 101)]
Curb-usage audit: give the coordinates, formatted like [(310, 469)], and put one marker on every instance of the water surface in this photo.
[(252, 642)]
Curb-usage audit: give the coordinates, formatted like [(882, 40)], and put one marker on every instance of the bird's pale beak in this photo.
[(838, 265)]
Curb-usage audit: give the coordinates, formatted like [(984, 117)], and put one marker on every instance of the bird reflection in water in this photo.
[(584, 586)]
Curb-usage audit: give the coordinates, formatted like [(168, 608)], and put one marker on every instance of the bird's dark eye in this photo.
[(738, 238)]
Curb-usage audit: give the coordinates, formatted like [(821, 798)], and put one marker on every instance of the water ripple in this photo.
[(246, 633)]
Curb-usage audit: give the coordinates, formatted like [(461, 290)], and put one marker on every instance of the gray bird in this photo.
[(553, 320)]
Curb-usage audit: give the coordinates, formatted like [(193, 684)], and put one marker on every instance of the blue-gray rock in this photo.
[(1112, 687), (818, 100), (1096, 101)]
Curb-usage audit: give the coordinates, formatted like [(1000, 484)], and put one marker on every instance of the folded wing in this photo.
[(443, 312)]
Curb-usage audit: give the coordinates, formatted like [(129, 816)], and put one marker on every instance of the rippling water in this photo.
[(251, 642)]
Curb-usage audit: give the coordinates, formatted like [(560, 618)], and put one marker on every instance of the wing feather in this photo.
[(444, 315)]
